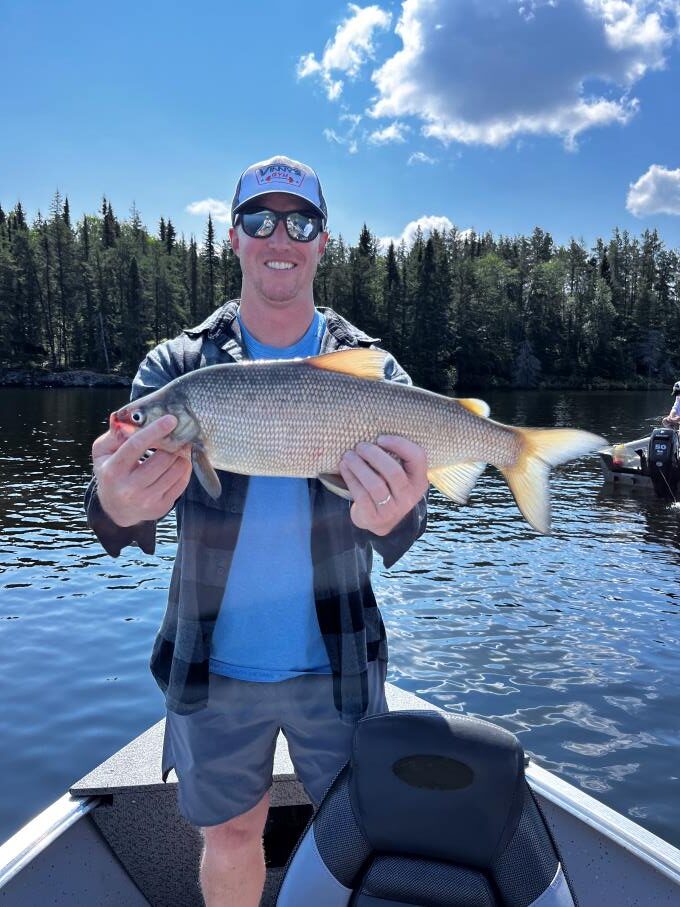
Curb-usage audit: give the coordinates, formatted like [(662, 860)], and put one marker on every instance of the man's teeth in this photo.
[(280, 265)]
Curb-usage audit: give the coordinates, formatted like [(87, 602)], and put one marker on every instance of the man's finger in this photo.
[(356, 489), (177, 472), (413, 456), (372, 483), (154, 467), (175, 491), (135, 446), (385, 465)]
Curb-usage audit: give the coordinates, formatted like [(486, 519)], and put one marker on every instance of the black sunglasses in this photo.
[(302, 226)]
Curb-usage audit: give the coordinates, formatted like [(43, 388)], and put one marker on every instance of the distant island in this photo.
[(81, 303)]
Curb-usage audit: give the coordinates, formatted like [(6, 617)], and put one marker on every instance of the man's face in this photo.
[(278, 269)]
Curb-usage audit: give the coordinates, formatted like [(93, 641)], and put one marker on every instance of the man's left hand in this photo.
[(384, 487)]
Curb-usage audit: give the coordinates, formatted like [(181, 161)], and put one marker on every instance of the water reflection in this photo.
[(568, 640)]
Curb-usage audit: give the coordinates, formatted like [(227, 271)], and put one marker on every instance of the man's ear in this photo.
[(234, 240), (323, 239)]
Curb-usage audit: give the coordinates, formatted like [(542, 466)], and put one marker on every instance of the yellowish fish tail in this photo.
[(528, 478)]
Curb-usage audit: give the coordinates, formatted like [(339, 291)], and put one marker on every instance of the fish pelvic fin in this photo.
[(478, 407), (457, 481), (360, 363), (205, 473), (528, 478), (334, 482)]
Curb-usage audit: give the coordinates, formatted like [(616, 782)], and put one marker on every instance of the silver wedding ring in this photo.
[(380, 503)]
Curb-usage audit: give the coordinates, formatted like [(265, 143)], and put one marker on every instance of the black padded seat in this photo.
[(431, 810)]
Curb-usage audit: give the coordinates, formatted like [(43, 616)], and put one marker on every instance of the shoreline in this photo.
[(27, 377), (37, 377)]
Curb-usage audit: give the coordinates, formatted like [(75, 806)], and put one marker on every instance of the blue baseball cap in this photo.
[(279, 174)]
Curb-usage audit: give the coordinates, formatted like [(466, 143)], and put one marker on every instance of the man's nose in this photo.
[(280, 235)]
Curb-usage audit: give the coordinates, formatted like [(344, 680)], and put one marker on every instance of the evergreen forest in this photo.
[(458, 309)]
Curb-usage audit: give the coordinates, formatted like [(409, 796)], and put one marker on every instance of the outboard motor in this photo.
[(664, 465)]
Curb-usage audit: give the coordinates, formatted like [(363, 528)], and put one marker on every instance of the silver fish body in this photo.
[(298, 417)]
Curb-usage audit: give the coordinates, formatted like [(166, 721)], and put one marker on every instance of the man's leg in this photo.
[(320, 743), (232, 866)]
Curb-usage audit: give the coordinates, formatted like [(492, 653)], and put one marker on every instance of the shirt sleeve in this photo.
[(162, 365)]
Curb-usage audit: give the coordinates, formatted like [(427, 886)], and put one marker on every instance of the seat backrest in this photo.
[(432, 810)]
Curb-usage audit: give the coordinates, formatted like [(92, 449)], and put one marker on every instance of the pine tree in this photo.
[(193, 282), (133, 322), (210, 269), (170, 235)]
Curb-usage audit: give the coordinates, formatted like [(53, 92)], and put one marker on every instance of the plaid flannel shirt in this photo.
[(348, 615)]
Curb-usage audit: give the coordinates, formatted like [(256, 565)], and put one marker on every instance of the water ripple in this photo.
[(569, 640)]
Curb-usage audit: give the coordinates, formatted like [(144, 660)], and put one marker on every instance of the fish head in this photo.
[(139, 413)]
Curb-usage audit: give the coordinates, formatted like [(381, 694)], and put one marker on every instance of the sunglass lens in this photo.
[(258, 223), (302, 227)]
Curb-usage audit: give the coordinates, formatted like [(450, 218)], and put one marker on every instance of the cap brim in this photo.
[(253, 198)]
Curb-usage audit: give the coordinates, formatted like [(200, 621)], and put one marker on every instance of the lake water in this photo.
[(570, 641)]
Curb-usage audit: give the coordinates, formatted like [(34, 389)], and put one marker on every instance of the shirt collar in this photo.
[(222, 328)]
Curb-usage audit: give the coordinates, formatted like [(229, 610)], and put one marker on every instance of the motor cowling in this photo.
[(664, 466)]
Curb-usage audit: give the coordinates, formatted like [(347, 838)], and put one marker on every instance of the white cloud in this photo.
[(427, 223), (395, 132), (656, 192), (220, 211), (419, 157), (351, 47), (332, 136), (348, 138), (484, 71)]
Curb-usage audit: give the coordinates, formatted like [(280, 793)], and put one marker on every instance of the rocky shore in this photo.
[(18, 377)]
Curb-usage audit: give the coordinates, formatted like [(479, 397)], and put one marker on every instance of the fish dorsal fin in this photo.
[(361, 363), (478, 407)]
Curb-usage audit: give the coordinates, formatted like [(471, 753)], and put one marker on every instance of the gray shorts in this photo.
[(224, 754)]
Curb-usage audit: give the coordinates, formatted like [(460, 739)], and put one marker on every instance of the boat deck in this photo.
[(122, 808)]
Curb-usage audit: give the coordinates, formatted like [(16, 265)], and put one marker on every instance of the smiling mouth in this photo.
[(280, 265)]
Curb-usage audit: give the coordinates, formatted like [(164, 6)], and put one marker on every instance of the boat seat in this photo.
[(431, 810)]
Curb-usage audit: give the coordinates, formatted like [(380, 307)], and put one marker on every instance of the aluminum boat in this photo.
[(116, 839)]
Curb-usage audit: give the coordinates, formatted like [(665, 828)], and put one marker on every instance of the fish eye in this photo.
[(137, 417)]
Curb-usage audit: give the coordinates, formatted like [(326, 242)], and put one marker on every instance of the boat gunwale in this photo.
[(36, 836), (612, 825)]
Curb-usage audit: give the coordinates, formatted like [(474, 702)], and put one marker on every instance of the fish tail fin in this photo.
[(528, 477)]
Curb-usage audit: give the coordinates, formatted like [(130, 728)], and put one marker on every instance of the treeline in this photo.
[(456, 308)]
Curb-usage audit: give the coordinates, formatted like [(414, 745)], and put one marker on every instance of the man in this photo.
[(271, 621), (672, 420)]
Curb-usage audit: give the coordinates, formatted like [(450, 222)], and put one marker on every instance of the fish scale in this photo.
[(298, 417), (291, 419)]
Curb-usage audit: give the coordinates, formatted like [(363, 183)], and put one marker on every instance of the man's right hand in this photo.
[(130, 489)]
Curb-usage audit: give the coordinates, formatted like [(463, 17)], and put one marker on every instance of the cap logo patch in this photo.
[(279, 173)]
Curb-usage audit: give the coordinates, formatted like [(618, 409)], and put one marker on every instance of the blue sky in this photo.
[(495, 114)]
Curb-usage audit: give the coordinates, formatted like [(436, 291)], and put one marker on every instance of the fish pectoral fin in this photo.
[(478, 407), (457, 481), (360, 363), (205, 473), (334, 482), (528, 478)]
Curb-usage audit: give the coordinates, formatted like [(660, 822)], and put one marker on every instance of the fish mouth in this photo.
[(120, 421)]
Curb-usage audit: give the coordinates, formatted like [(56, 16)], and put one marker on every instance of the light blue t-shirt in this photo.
[(267, 629)]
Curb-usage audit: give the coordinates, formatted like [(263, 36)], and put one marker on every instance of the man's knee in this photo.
[(242, 831)]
